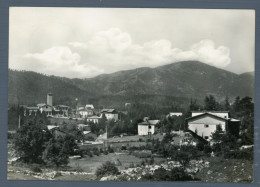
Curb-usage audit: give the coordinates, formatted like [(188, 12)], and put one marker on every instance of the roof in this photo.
[(51, 127), (41, 104), (212, 115), (209, 114), (62, 106), (234, 120), (83, 125), (108, 110), (86, 132), (89, 106), (153, 122), (211, 111), (94, 117), (145, 123), (85, 110), (32, 108)]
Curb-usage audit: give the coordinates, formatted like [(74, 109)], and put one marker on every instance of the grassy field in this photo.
[(90, 164), (227, 170)]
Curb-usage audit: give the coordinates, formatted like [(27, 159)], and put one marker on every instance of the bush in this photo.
[(105, 152), (142, 154), (131, 165), (175, 174), (110, 149), (151, 161), (36, 169), (207, 150), (96, 151), (107, 168)]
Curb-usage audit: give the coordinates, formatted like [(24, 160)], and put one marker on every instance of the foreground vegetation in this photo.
[(40, 151)]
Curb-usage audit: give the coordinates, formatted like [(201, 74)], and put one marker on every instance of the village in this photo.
[(97, 141)]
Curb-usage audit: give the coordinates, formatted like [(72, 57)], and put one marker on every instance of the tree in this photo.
[(218, 135), (211, 103), (226, 104), (108, 168), (58, 150), (185, 154), (30, 142)]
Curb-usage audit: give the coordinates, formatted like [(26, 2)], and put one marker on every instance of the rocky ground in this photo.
[(208, 170)]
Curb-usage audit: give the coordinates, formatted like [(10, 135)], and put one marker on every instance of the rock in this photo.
[(109, 178)]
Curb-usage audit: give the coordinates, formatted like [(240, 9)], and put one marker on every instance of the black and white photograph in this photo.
[(131, 94)]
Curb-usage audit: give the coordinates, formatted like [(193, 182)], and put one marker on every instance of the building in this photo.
[(49, 99), (31, 110), (62, 110), (45, 108), (171, 114), (83, 127), (80, 107), (205, 123), (147, 127), (89, 106), (84, 113), (110, 114), (94, 119)]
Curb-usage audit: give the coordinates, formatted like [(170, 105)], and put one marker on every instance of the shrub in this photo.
[(151, 161), (110, 149), (107, 168), (131, 165), (105, 152), (96, 152), (175, 174), (207, 150), (143, 163), (141, 140), (36, 169), (142, 154)]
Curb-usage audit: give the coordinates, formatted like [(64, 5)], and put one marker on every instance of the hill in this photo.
[(183, 79), (174, 83)]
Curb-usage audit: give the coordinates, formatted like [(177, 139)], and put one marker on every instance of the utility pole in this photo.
[(19, 122)]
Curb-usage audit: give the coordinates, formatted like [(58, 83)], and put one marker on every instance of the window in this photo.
[(206, 137), (149, 127), (206, 126)]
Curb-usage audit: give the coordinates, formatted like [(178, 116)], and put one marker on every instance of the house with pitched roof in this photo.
[(84, 113), (204, 123), (110, 114), (147, 127)]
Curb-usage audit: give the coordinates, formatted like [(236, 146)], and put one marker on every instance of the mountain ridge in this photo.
[(187, 79)]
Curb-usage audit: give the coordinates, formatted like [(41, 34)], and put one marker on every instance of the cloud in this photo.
[(56, 55), (61, 61), (207, 53), (114, 50)]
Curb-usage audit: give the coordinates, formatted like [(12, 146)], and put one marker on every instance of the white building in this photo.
[(205, 123), (110, 114), (94, 119), (84, 113), (147, 127), (171, 114), (89, 106)]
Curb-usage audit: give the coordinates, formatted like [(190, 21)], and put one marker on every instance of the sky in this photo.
[(86, 42)]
